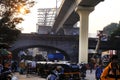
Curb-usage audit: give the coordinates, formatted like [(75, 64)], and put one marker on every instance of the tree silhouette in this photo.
[(109, 29), (9, 18), (116, 33)]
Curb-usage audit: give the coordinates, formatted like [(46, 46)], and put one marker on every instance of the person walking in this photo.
[(112, 71)]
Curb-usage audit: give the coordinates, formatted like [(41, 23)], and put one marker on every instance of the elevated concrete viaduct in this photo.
[(70, 12)]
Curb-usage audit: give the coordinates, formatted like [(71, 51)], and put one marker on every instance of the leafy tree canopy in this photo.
[(110, 29), (113, 31), (116, 33), (9, 18)]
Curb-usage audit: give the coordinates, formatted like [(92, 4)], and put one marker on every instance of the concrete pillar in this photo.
[(83, 32)]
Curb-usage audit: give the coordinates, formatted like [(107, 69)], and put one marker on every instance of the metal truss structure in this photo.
[(46, 16)]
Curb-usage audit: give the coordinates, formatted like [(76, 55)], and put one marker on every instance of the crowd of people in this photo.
[(7, 66), (110, 72)]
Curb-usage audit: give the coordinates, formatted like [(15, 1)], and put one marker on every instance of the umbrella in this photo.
[(5, 54)]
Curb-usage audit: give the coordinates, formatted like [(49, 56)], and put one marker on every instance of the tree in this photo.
[(106, 31), (109, 29), (9, 18), (112, 30), (116, 33), (114, 36), (115, 39)]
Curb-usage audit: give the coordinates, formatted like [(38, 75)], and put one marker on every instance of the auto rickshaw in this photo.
[(71, 72)]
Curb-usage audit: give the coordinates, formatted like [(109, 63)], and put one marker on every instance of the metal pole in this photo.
[(56, 7)]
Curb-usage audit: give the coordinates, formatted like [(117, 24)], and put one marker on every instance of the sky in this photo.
[(105, 13), (30, 20)]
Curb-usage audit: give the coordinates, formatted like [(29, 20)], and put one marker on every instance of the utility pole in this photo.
[(56, 8), (100, 35)]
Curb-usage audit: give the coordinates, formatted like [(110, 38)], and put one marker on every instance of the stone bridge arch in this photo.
[(67, 44), (16, 51), (64, 44)]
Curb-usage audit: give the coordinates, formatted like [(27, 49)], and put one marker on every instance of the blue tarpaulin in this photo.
[(55, 56)]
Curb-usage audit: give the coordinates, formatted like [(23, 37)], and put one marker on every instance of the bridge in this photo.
[(69, 13), (66, 44), (72, 11), (68, 16), (63, 44)]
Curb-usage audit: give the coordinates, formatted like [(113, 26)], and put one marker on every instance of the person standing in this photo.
[(83, 71), (33, 66), (1, 68), (22, 66), (6, 71), (54, 75), (91, 65), (98, 72), (112, 71)]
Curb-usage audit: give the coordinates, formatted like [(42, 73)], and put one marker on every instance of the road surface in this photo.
[(29, 77), (89, 76)]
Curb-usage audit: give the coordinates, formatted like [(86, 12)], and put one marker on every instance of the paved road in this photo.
[(29, 77), (89, 76)]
